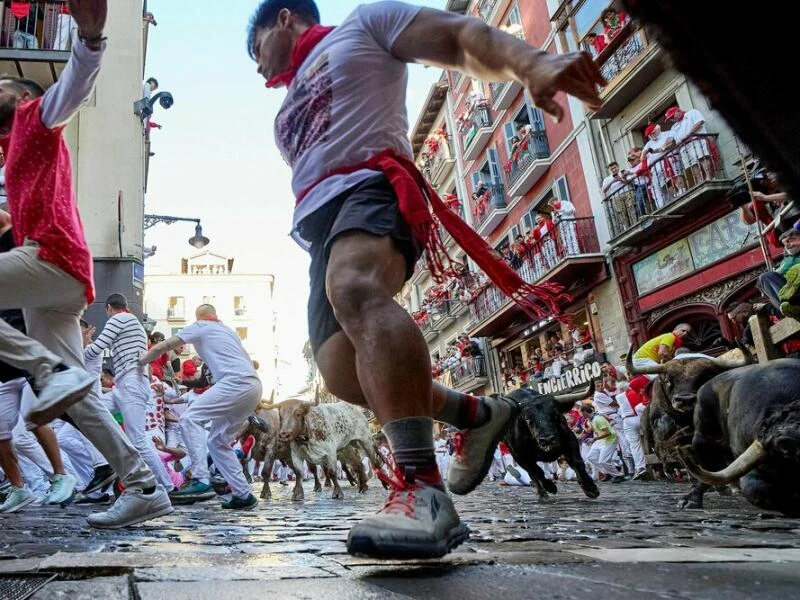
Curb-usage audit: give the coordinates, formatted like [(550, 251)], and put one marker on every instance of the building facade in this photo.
[(636, 259), (106, 139), (244, 302)]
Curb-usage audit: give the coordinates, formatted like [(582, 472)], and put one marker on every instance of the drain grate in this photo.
[(21, 587)]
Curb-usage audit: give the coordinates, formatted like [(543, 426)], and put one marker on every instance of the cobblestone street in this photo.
[(565, 547)]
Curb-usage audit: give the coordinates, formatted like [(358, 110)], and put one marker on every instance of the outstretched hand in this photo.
[(90, 16), (575, 74)]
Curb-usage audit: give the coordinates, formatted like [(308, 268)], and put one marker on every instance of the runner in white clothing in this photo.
[(226, 404), (124, 335)]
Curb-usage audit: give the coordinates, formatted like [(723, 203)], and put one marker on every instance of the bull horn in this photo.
[(744, 463), (571, 399), (650, 370), (747, 359), (316, 396)]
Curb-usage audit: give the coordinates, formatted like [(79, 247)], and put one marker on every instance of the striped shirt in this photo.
[(125, 337)]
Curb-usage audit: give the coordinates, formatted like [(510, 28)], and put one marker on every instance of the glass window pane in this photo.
[(588, 14)]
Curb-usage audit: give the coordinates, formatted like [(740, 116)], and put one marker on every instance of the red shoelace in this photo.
[(402, 496), (458, 444)]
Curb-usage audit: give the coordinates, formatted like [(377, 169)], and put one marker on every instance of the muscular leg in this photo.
[(391, 357)]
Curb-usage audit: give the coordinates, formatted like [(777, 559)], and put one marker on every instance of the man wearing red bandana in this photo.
[(364, 212)]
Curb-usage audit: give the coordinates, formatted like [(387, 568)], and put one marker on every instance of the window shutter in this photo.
[(560, 189), (508, 130), (494, 166)]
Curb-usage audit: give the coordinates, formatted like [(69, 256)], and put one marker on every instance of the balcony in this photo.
[(439, 160), (476, 129), (685, 178), (420, 272), (530, 164), (468, 375), (35, 40), (486, 8), (489, 208), (569, 256), (629, 63), (504, 93), (425, 322)]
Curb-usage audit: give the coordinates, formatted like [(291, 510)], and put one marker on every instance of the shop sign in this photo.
[(714, 242), (576, 377)]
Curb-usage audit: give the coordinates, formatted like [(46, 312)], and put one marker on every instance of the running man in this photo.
[(226, 404), (49, 273), (363, 213)]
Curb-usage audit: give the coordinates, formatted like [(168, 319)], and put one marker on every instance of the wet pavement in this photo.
[(629, 542)]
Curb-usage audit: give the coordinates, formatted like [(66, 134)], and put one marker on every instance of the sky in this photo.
[(215, 158)]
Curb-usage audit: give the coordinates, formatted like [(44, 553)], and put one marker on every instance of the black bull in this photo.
[(749, 419), (540, 433), (667, 420)]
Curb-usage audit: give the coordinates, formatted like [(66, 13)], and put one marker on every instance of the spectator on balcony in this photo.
[(545, 235), (563, 213), (595, 43), (613, 22), (614, 181), (26, 15), (582, 342), (64, 26), (662, 172), (696, 151), (554, 345), (636, 175), (520, 248)]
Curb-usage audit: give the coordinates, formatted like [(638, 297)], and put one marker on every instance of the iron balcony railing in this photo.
[(481, 117), (621, 51), (536, 258), (36, 26), (531, 148), (468, 368), (485, 8), (676, 173), (483, 205)]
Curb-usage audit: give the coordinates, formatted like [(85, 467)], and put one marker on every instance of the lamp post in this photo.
[(198, 240)]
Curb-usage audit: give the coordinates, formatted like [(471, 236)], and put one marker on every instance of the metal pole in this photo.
[(761, 241)]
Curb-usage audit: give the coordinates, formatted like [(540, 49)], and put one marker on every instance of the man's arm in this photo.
[(467, 44), (665, 352), (105, 339), (75, 85), (159, 349)]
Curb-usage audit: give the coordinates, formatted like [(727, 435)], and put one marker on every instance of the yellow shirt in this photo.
[(650, 348)]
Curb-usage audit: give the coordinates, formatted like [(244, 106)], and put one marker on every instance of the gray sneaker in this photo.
[(62, 490), (474, 448), (133, 507), (60, 391), (17, 499), (417, 521)]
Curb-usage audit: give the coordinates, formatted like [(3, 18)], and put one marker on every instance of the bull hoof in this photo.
[(337, 495), (690, 503), (298, 496), (724, 491), (266, 496), (591, 491), (317, 487), (363, 489), (328, 484), (550, 486)]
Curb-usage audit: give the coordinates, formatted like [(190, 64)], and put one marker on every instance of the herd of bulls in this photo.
[(727, 421)]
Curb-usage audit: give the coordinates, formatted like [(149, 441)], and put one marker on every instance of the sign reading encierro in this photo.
[(576, 377)]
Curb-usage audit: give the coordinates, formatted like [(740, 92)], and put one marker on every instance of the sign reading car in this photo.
[(571, 378)]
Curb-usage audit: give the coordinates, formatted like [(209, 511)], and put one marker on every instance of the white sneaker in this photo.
[(418, 520), (61, 490), (62, 390), (133, 507), (18, 499)]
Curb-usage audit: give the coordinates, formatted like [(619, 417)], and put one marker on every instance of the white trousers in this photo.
[(645, 362), (226, 405), (442, 461), (130, 396), (13, 395), (601, 455), (78, 450), (631, 427)]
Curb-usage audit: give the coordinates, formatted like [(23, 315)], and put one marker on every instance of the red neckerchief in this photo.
[(414, 195), (302, 48)]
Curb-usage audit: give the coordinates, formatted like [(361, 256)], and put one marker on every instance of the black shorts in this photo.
[(370, 207)]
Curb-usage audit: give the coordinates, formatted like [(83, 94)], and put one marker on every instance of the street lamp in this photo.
[(198, 240), (144, 108)]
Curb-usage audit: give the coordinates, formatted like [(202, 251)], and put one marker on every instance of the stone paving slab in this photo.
[(694, 555), (109, 588), (255, 590)]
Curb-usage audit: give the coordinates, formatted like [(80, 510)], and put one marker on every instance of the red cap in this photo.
[(671, 112), (650, 128)]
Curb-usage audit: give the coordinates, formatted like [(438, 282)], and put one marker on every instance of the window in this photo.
[(239, 306), (176, 308), (559, 190), (587, 15), (208, 300), (242, 333), (514, 17)]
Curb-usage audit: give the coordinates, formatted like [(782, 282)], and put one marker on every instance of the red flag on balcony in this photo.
[(20, 9), (416, 197)]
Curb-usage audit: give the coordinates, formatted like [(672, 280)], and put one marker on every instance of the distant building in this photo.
[(244, 302)]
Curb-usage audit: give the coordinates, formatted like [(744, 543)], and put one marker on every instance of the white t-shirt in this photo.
[(220, 347), (612, 185), (680, 130), (346, 104)]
